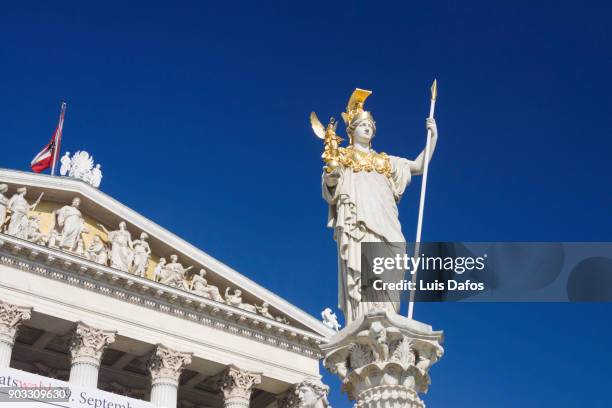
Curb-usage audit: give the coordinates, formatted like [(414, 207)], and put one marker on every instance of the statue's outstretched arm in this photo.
[(417, 166)]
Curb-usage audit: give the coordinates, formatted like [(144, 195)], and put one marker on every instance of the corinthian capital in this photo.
[(237, 383), (88, 344), (11, 317), (166, 365)]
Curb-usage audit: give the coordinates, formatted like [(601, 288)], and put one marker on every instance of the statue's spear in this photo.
[(417, 243)]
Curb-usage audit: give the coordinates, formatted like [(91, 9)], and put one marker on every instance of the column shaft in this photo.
[(164, 395)]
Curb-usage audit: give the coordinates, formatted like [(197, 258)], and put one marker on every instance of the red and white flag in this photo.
[(48, 155)]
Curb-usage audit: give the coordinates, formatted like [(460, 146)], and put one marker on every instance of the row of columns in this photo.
[(165, 366)]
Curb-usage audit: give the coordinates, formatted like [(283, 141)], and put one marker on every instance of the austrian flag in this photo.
[(48, 155)]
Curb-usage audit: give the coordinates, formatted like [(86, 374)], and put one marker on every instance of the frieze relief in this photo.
[(66, 228)]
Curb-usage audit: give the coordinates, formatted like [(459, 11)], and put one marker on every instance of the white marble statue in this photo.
[(121, 255), (142, 252), (200, 286), (235, 300), (34, 233), (97, 251), (264, 310), (330, 319), (81, 166), (19, 208), (66, 163), (175, 274), (362, 191), (71, 225), (3, 205), (159, 273), (95, 178)]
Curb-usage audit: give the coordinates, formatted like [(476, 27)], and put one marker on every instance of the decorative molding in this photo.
[(11, 316), (75, 271), (88, 344), (166, 365), (237, 385)]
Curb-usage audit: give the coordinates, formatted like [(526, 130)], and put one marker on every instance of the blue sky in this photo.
[(198, 113)]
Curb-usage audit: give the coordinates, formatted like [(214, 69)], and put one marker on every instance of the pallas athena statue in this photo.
[(362, 188)]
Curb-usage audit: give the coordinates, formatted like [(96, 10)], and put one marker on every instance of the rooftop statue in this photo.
[(121, 255), (3, 205), (200, 286), (71, 225), (142, 252), (19, 208), (362, 188), (173, 274), (330, 319), (97, 251), (81, 166)]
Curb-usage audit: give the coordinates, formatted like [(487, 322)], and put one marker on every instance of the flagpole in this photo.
[(417, 243), (58, 137)]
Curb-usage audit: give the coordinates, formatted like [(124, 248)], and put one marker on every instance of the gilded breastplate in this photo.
[(365, 161)]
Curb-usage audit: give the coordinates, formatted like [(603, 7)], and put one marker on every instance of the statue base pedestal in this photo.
[(383, 360)]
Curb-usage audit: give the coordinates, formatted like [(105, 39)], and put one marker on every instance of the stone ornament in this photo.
[(88, 344), (142, 252), (384, 359), (97, 251), (19, 208), (173, 274), (200, 286), (307, 394), (3, 205), (237, 385), (11, 316), (166, 365), (235, 300), (69, 224), (81, 166), (121, 254), (330, 319)]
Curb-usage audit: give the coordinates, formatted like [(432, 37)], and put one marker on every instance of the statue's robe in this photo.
[(141, 257), (121, 253), (18, 226), (70, 220), (363, 208), (3, 206)]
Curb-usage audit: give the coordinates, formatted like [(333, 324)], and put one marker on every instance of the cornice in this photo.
[(73, 270)]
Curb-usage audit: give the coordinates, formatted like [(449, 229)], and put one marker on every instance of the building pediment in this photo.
[(179, 280)]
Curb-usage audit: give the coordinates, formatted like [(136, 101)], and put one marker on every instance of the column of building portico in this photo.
[(11, 317), (88, 344), (165, 368), (237, 385)]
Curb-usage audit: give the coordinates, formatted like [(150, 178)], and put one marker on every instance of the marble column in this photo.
[(237, 385), (88, 344), (165, 368), (383, 360), (11, 317), (309, 393)]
